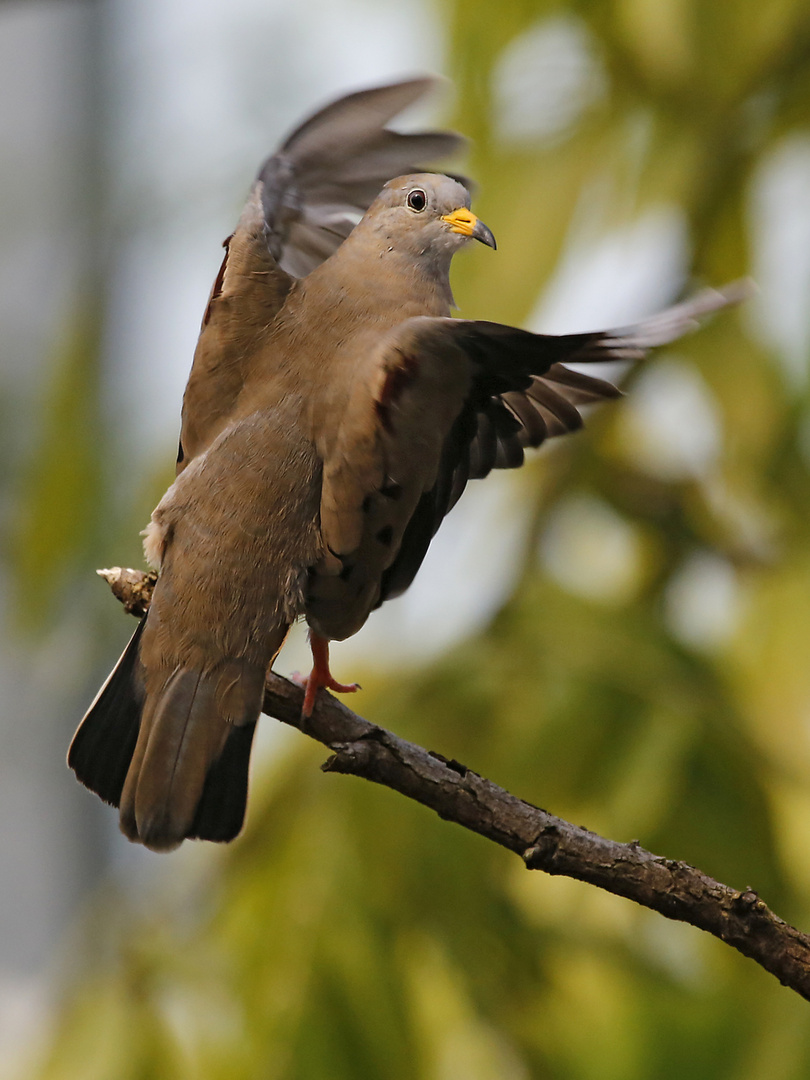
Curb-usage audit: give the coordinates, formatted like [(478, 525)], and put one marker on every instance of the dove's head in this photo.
[(426, 214)]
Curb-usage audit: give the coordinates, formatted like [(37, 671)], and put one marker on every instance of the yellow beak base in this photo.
[(465, 222)]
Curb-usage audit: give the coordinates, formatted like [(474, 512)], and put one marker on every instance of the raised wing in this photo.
[(318, 185), (448, 401), (306, 199)]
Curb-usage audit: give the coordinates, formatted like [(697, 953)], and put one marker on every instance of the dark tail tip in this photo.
[(104, 743), (221, 811)]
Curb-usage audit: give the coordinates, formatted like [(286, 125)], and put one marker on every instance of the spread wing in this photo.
[(306, 199), (443, 402)]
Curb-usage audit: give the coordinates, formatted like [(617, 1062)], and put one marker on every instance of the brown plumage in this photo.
[(333, 416)]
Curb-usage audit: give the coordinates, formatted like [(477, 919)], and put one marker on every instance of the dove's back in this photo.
[(168, 737)]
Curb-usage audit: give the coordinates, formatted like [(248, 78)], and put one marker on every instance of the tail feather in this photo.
[(221, 809), (105, 740), (183, 737), (172, 751)]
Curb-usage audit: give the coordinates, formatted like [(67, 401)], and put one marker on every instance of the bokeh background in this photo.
[(619, 632)]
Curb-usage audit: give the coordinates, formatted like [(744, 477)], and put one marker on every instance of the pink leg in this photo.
[(321, 675)]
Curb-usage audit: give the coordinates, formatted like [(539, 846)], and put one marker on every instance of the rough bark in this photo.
[(544, 841)]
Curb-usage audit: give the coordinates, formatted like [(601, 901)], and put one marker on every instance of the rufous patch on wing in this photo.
[(397, 379), (219, 281)]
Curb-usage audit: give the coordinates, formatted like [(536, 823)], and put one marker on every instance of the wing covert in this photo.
[(446, 401)]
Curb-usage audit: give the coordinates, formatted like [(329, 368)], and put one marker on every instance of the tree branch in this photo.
[(544, 842)]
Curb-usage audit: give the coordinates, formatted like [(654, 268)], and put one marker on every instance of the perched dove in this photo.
[(333, 416)]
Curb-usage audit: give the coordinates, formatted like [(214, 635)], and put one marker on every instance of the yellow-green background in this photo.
[(349, 933)]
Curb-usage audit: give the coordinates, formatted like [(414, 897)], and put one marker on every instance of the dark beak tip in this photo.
[(484, 234)]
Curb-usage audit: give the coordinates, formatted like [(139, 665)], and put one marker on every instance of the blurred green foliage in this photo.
[(62, 479), (351, 934)]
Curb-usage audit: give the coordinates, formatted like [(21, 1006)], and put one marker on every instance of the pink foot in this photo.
[(320, 676)]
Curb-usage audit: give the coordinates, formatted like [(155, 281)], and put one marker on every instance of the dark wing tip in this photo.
[(378, 103)]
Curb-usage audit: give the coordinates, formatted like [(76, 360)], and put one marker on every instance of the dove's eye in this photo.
[(417, 200)]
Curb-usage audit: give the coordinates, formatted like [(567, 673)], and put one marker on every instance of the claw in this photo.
[(320, 676)]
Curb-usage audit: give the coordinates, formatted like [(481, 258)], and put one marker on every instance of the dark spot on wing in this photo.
[(386, 535)]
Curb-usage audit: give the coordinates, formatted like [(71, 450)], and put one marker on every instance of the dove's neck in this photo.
[(378, 275)]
